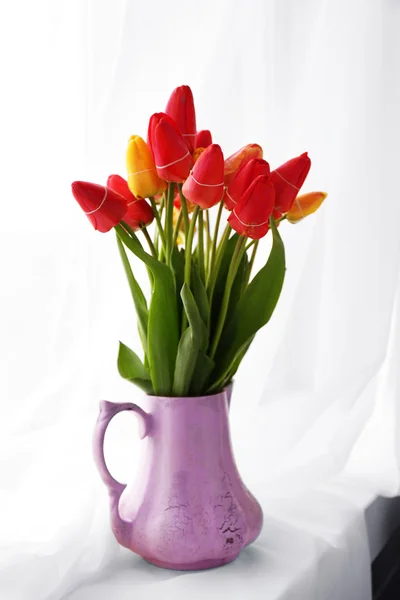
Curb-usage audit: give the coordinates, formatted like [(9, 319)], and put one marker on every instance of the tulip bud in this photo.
[(243, 178), (139, 214), (180, 108), (172, 157), (203, 139), (104, 207), (205, 184), (305, 205), (251, 216), (143, 180), (287, 180), (235, 161)]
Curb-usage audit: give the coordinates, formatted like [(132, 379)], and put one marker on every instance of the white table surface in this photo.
[(318, 546)]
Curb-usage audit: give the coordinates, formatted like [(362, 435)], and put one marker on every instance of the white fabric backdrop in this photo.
[(315, 403)]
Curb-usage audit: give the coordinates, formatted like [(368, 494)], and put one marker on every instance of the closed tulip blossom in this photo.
[(180, 108), (287, 180), (203, 139), (251, 216), (305, 205), (205, 184), (239, 158), (243, 178), (172, 157), (143, 179), (104, 207), (139, 213)]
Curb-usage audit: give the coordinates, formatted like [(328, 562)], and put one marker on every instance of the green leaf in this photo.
[(139, 299), (193, 339), (235, 365), (200, 295), (185, 363), (178, 269), (202, 372), (253, 310), (130, 367), (162, 334), (221, 280), (238, 285)]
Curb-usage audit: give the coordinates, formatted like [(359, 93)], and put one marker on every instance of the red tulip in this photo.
[(180, 108), (203, 139), (251, 216), (235, 161), (104, 207), (243, 178), (171, 155), (205, 184), (287, 180), (140, 214)]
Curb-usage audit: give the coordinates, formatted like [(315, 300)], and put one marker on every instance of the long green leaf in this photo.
[(202, 372), (178, 269), (193, 339), (253, 310), (139, 299), (162, 334), (221, 280), (200, 295), (130, 367)]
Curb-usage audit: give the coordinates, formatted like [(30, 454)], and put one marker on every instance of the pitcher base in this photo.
[(200, 565)]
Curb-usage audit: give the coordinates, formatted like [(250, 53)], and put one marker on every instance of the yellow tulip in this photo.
[(305, 205), (143, 180)]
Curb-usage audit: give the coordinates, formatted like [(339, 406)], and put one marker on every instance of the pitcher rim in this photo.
[(223, 391)]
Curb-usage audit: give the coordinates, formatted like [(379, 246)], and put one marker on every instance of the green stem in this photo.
[(177, 228), (215, 269), (251, 244), (188, 246), (200, 248), (169, 221), (233, 267), (184, 210), (149, 241), (208, 247), (188, 257), (215, 239), (158, 220)]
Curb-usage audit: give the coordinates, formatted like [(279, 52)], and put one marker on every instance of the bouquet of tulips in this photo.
[(205, 307)]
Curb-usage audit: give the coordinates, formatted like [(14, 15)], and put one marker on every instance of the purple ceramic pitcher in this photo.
[(189, 509)]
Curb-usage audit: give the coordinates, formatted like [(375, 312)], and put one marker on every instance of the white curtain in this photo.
[(314, 414)]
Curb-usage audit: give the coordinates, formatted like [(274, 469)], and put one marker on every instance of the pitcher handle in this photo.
[(108, 410)]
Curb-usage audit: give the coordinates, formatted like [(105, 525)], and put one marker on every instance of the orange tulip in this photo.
[(305, 205), (235, 161), (143, 180)]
